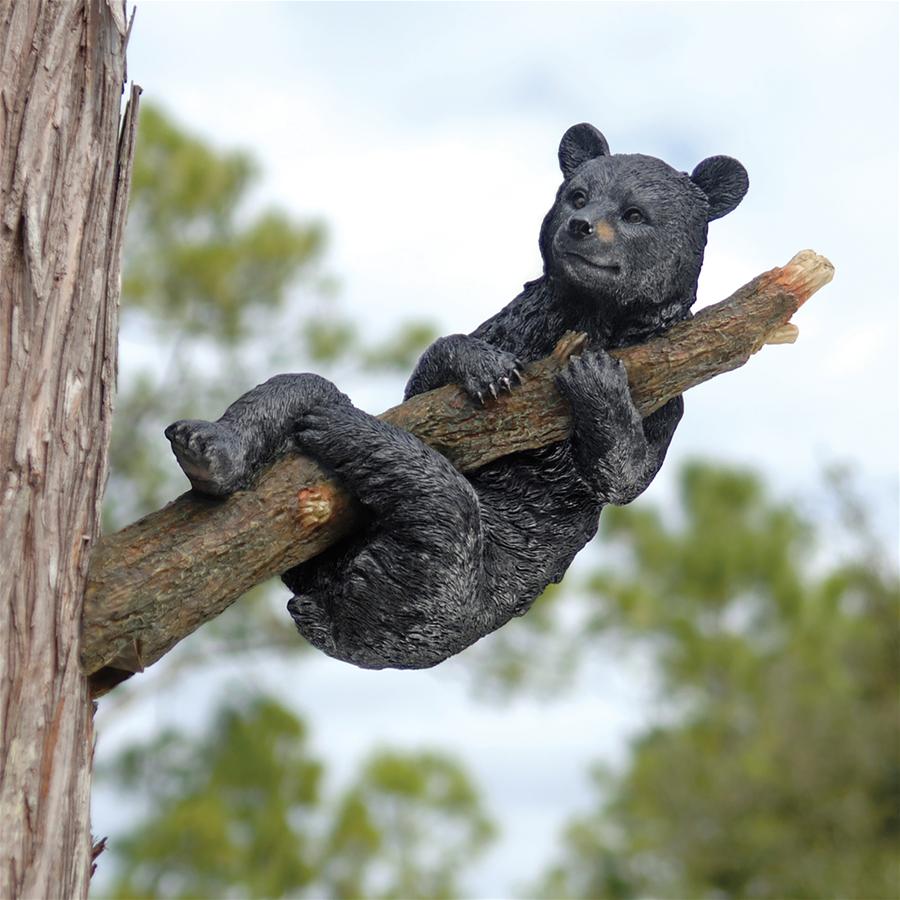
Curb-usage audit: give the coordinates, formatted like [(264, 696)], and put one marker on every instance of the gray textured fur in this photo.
[(444, 559)]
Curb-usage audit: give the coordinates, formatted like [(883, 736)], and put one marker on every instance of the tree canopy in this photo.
[(774, 771), (239, 810)]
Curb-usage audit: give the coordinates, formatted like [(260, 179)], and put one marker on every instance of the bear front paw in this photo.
[(596, 386), (210, 455), (608, 441), (486, 374)]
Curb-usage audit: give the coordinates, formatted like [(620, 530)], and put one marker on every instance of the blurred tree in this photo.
[(200, 273), (775, 770), (229, 809), (196, 260), (407, 828), (208, 276), (238, 811)]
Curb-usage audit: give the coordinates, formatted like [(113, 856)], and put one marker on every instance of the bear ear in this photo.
[(724, 181), (579, 144)]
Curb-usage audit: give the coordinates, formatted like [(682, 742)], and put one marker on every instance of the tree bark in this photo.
[(157, 580), (64, 173)]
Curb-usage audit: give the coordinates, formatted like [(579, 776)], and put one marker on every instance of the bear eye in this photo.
[(578, 199), (633, 216)]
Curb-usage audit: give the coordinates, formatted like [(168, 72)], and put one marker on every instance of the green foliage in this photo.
[(400, 352), (229, 808), (194, 259), (238, 811), (776, 773), (201, 272), (407, 828), (330, 339), (207, 276)]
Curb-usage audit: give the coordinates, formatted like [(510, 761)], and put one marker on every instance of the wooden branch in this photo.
[(157, 580)]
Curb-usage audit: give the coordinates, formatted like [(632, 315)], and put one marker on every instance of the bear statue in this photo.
[(443, 558)]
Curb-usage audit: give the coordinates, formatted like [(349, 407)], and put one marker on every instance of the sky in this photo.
[(425, 135)]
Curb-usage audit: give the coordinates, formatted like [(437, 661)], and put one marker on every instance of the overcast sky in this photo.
[(425, 137)]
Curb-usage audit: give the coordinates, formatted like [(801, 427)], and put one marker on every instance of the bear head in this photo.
[(627, 232)]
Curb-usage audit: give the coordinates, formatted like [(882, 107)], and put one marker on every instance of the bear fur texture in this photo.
[(445, 559)]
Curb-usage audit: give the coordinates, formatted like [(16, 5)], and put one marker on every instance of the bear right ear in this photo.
[(724, 181), (579, 144)]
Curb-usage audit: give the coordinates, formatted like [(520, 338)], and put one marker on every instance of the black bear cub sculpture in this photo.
[(445, 558)]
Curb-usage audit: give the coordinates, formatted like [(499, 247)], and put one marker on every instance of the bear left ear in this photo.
[(724, 181), (579, 144)]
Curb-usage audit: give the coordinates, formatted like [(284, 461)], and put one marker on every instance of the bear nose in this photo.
[(579, 228)]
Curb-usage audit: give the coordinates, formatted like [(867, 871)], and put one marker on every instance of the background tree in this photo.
[(240, 810), (773, 770), (408, 827), (201, 272)]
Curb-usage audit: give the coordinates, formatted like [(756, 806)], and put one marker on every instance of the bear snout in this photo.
[(580, 227)]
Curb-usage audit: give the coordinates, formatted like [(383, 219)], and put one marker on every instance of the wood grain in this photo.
[(64, 177)]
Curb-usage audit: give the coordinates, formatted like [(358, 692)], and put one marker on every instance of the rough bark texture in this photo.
[(63, 190), (157, 580)]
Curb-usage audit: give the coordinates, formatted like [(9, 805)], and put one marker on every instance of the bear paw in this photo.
[(210, 455), (486, 374), (596, 385)]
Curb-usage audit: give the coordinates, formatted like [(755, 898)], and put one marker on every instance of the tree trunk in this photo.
[(64, 176)]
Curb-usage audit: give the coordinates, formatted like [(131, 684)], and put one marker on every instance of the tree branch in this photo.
[(154, 582)]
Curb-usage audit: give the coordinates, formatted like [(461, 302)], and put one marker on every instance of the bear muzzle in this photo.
[(580, 227), (584, 243)]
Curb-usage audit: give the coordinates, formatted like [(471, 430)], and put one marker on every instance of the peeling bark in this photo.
[(157, 580), (64, 174)]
